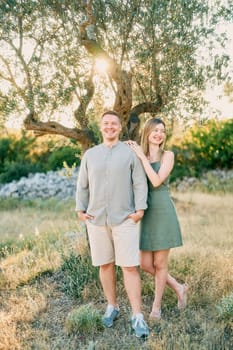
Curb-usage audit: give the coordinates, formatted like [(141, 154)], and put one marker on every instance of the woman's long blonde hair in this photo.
[(148, 127)]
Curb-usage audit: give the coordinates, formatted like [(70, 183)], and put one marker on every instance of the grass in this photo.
[(23, 218), (225, 307), (50, 296), (79, 275), (84, 320)]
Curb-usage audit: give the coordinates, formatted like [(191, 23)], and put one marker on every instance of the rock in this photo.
[(42, 185), (57, 184), (189, 182)]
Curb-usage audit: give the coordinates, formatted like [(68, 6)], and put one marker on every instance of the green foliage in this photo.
[(59, 155), (205, 147), (157, 41), (15, 170), (94, 127), (225, 307), (79, 273), (16, 157), (86, 319), (4, 151), (22, 155), (15, 149)]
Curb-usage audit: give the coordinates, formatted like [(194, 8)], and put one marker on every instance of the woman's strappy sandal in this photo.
[(155, 315), (183, 301)]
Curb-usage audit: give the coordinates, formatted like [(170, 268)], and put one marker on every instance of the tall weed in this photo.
[(79, 274)]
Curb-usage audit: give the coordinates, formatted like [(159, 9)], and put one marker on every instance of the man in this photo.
[(111, 198)]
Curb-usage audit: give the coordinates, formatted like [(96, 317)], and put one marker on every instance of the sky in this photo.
[(215, 95), (220, 102)]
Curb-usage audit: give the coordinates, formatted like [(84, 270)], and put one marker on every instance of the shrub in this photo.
[(79, 272), (225, 307), (15, 170), (4, 151), (58, 156), (22, 155), (13, 149), (16, 157), (204, 147), (85, 320)]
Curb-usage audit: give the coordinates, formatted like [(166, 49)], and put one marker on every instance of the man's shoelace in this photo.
[(109, 311), (139, 322)]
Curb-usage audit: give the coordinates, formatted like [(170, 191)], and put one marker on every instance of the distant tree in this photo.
[(203, 148), (48, 51)]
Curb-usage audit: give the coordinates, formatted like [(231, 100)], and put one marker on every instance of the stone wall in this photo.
[(41, 185), (211, 179), (57, 184)]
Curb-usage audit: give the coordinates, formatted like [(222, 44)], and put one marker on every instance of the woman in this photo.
[(160, 229)]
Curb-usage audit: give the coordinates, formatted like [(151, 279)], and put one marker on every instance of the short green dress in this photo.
[(159, 227)]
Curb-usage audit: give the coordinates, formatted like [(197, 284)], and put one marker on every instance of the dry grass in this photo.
[(207, 223), (18, 308), (37, 217), (21, 268), (35, 306), (206, 220)]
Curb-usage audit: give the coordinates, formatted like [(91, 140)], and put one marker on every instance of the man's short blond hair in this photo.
[(111, 112)]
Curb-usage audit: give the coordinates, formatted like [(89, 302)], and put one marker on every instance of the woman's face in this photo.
[(157, 135)]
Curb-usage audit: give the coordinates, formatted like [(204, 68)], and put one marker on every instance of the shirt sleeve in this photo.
[(140, 186), (82, 189)]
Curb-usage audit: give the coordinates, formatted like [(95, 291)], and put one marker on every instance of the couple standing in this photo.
[(112, 195)]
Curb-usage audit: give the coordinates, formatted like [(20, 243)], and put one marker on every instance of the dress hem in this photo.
[(161, 248)]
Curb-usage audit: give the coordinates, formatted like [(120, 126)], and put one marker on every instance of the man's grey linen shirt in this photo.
[(111, 184)]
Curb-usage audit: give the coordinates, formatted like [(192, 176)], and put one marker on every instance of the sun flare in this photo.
[(101, 65)]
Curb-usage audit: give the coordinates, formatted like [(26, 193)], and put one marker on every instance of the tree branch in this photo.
[(80, 112), (20, 23), (132, 129), (11, 79), (147, 107), (30, 95), (84, 136), (123, 100)]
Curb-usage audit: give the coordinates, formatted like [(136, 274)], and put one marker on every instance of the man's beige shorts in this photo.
[(119, 244)]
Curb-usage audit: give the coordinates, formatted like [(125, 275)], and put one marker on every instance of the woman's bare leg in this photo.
[(161, 266), (148, 265), (147, 262)]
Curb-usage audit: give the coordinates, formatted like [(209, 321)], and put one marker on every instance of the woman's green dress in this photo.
[(160, 227)]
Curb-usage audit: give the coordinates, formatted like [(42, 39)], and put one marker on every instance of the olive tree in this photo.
[(154, 64)]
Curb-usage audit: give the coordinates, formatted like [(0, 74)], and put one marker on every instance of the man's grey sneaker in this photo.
[(139, 326), (111, 314)]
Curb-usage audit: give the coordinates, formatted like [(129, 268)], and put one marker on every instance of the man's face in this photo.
[(110, 127)]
